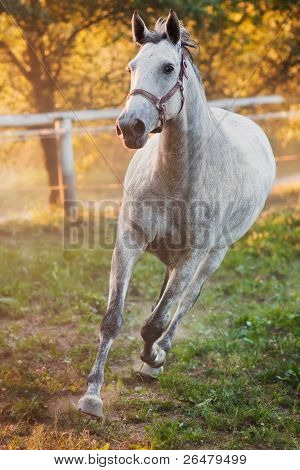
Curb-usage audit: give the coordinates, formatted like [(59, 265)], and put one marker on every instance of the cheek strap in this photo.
[(160, 103)]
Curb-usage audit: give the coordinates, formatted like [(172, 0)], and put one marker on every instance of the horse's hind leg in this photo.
[(205, 269), (122, 264)]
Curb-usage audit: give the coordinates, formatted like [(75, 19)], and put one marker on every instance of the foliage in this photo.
[(62, 55), (74, 53)]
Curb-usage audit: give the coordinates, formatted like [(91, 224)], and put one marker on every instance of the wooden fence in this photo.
[(64, 129)]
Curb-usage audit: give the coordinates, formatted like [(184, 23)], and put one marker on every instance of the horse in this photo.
[(190, 191)]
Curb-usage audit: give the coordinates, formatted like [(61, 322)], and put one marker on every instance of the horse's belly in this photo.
[(238, 221), (178, 239), (169, 248)]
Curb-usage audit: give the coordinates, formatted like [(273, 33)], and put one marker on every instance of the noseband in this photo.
[(160, 103)]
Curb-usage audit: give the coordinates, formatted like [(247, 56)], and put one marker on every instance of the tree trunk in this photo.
[(43, 91), (44, 102)]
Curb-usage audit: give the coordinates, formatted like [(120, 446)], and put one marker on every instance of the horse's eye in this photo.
[(168, 69)]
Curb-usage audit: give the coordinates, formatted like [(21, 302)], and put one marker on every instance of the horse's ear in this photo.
[(173, 27), (139, 29)]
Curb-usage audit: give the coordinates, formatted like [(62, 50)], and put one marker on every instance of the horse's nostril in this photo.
[(130, 128), (139, 127), (118, 129)]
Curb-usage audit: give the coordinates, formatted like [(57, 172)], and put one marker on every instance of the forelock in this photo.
[(160, 33), (186, 41)]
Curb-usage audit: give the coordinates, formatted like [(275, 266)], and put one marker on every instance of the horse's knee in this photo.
[(152, 330), (154, 327)]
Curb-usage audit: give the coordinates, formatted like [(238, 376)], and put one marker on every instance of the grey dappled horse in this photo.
[(190, 191)]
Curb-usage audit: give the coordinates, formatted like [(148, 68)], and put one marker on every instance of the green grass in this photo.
[(231, 379)]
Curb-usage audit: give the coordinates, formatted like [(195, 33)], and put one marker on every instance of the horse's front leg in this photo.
[(179, 278), (209, 265), (123, 260)]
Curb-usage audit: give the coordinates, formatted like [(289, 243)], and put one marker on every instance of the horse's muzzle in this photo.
[(132, 130)]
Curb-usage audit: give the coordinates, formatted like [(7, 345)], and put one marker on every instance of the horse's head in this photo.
[(156, 80)]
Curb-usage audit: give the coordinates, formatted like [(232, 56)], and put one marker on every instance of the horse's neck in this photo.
[(179, 157)]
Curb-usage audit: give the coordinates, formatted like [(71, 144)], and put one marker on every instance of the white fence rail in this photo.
[(64, 128), (27, 120)]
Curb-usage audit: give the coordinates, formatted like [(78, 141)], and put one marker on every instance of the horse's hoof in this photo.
[(152, 372), (91, 405)]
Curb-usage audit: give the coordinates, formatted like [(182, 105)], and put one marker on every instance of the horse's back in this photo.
[(251, 143), (248, 170)]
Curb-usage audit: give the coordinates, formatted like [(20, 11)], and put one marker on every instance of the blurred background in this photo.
[(72, 55)]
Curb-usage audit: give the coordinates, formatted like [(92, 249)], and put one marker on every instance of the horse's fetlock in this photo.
[(165, 344)]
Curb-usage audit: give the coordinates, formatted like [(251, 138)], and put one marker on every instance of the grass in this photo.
[(231, 380)]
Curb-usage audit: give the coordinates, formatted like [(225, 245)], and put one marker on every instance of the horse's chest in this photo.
[(171, 227), (179, 231)]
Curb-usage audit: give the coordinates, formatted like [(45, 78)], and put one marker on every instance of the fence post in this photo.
[(67, 161)]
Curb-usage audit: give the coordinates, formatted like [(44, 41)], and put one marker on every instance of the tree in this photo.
[(47, 31)]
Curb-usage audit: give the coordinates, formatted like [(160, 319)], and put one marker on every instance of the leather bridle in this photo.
[(160, 103)]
